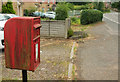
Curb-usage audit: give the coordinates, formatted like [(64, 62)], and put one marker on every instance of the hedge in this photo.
[(90, 16)]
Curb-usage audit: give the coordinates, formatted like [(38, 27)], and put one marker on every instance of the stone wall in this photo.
[(56, 28)]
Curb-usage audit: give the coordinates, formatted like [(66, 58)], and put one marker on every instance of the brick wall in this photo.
[(0, 6), (56, 28)]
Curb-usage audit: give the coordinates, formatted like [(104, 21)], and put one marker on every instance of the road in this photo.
[(112, 22), (97, 58)]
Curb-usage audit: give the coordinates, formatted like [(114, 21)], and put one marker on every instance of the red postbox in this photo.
[(22, 43)]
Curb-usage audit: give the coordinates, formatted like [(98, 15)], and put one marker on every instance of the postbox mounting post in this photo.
[(24, 75)]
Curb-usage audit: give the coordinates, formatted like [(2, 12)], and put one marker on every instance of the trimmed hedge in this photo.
[(90, 16)]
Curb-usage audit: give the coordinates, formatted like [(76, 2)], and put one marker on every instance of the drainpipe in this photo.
[(19, 7)]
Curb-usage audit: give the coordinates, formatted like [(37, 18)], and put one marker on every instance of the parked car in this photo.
[(50, 15), (3, 19), (2, 23), (37, 13), (8, 16)]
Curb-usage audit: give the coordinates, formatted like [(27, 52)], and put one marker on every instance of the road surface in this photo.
[(97, 58)]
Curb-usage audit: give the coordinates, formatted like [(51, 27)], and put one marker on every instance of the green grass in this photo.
[(73, 71), (76, 21)]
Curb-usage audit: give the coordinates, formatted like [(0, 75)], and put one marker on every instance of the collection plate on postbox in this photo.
[(22, 43)]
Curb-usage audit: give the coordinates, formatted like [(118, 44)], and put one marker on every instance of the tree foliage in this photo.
[(8, 8), (61, 11), (101, 6), (70, 6), (80, 3), (116, 5), (90, 16)]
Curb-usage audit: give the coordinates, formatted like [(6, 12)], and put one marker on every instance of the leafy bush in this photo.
[(95, 4), (90, 16), (30, 11), (61, 11), (116, 5), (8, 8), (101, 6), (4, 9), (25, 12), (73, 19), (80, 3), (82, 7), (70, 6), (106, 10), (70, 32)]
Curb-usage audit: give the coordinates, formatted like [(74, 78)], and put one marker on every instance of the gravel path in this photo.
[(54, 64)]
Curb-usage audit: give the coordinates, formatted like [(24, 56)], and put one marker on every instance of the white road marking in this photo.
[(70, 71), (111, 20), (72, 51), (110, 31), (70, 68)]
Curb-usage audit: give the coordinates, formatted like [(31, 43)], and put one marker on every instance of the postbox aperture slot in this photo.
[(36, 38), (37, 26)]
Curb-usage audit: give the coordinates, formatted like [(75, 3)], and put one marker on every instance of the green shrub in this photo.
[(101, 6), (70, 32), (70, 6), (4, 9), (105, 10), (74, 19), (116, 5), (90, 16), (8, 8), (25, 12), (82, 7), (61, 11), (95, 5), (29, 12)]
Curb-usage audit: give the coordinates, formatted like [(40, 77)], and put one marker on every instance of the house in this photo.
[(41, 5), (0, 6)]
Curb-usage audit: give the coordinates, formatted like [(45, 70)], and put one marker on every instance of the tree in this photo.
[(116, 5), (4, 8), (101, 6), (95, 5), (61, 11), (70, 6), (8, 8), (80, 3)]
